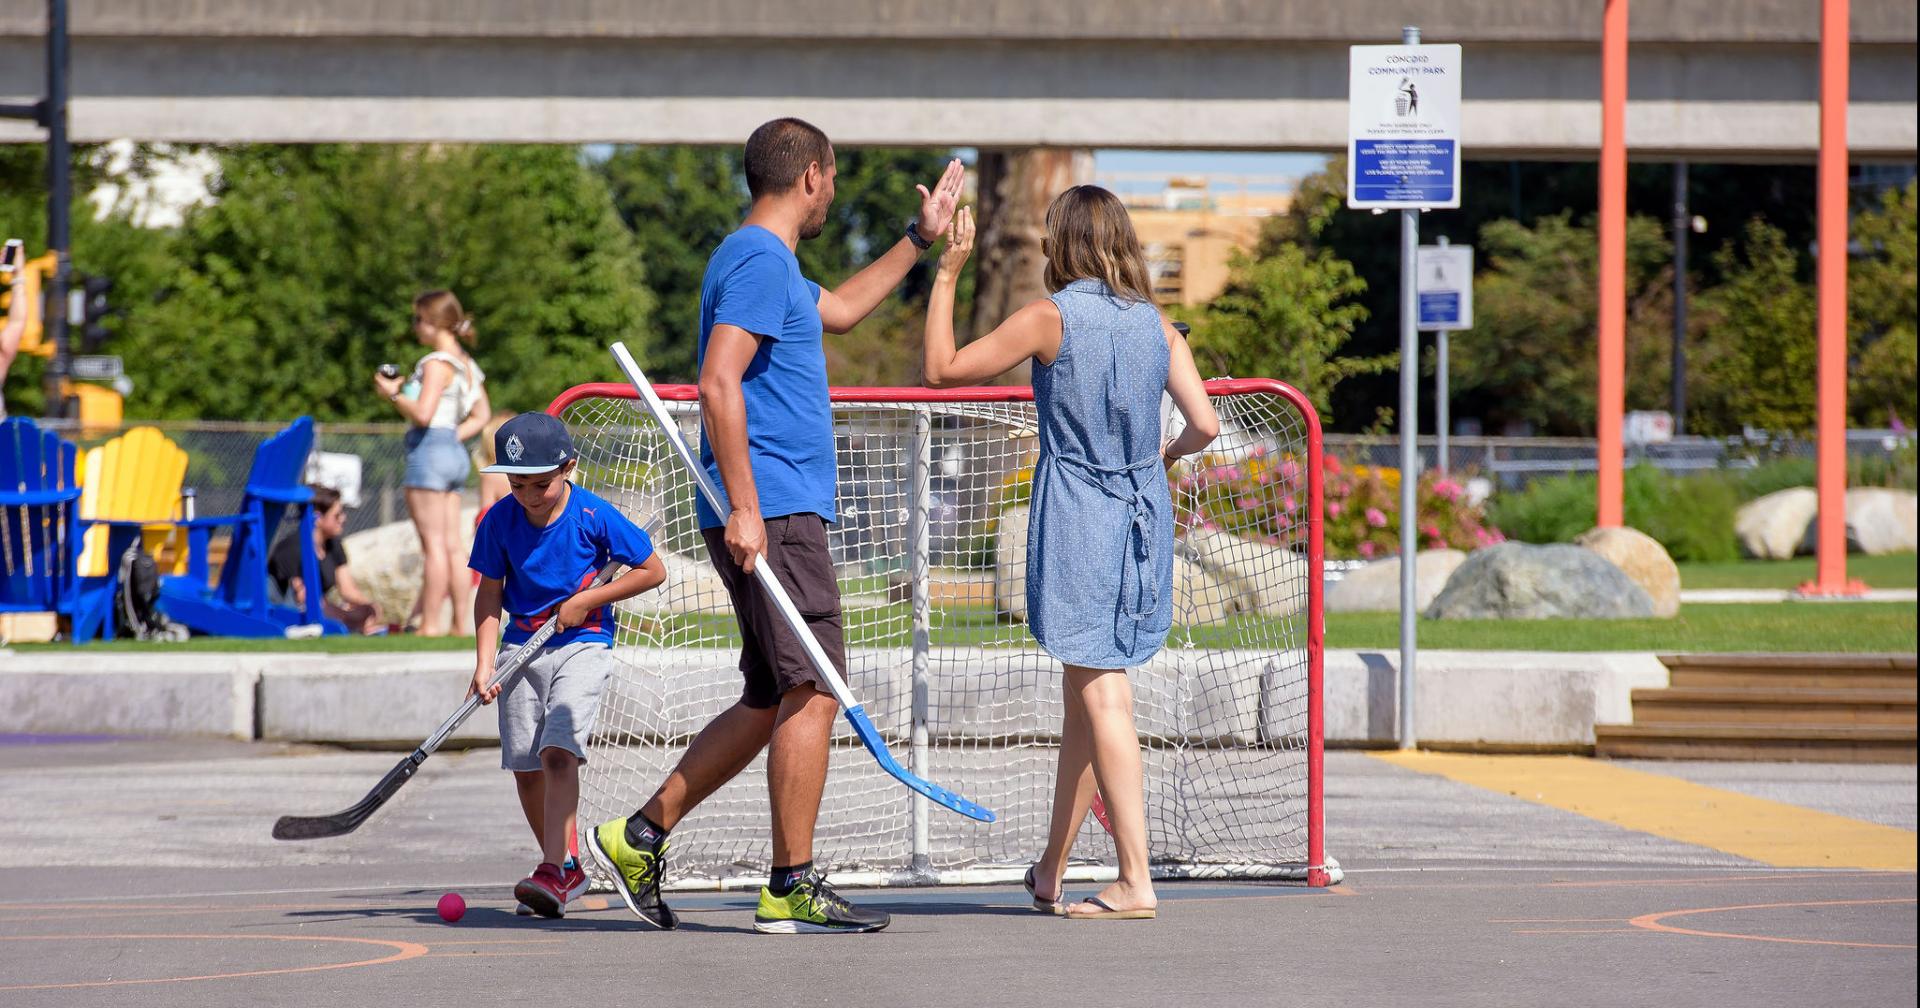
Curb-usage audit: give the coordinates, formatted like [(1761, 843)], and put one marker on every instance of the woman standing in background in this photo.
[(446, 402)]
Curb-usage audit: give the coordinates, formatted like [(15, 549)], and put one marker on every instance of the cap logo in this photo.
[(514, 448)]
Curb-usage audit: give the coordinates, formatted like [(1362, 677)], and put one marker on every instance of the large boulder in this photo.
[(1642, 558), (1270, 580), (1880, 520), (1520, 581), (1376, 587), (1774, 527)]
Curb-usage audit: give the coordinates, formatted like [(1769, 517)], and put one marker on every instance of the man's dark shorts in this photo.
[(772, 659)]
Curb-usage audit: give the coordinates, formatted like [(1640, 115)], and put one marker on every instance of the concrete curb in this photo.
[(1490, 700)]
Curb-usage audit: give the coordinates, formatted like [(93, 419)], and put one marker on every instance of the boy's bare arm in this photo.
[(486, 638), (646, 577)]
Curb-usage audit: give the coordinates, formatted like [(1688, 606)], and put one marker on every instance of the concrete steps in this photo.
[(1828, 708)]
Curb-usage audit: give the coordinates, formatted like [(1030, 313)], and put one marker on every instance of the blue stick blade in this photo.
[(870, 737)]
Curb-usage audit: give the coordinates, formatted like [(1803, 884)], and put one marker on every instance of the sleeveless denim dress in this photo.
[(1100, 530)]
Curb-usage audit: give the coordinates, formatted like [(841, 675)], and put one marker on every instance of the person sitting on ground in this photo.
[(360, 613)]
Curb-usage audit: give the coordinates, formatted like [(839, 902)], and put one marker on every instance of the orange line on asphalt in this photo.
[(479, 955), (403, 951), (1558, 920), (1583, 931), (1651, 922)]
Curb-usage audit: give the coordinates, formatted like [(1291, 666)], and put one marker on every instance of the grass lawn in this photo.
[(1780, 626), (1892, 571), (1784, 626)]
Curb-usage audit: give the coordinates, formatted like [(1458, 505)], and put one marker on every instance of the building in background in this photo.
[(1190, 225)]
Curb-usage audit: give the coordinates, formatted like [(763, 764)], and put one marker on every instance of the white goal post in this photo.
[(930, 553)]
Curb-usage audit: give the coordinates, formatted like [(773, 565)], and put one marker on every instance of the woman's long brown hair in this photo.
[(1090, 237)]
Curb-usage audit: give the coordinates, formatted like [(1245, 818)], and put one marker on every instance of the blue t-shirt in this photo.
[(754, 282), (542, 567)]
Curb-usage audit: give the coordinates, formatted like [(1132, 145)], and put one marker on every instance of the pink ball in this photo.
[(452, 907)]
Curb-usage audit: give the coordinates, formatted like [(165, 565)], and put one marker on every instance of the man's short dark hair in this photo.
[(324, 498), (779, 152)]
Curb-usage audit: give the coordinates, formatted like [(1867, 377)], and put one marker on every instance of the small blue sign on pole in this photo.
[(1443, 287)]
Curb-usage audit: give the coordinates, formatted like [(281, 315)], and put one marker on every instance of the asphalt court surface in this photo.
[(140, 873)]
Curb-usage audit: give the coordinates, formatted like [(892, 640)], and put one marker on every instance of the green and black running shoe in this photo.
[(814, 908), (636, 870)]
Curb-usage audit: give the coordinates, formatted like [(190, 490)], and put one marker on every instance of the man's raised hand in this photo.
[(936, 206)]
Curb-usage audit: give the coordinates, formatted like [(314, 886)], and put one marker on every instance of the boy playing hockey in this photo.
[(537, 552)]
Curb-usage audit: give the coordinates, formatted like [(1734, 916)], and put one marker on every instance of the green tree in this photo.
[(1286, 314), (1757, 356), (680, 202), (1532, 354), (1881, 311), (298, 281)]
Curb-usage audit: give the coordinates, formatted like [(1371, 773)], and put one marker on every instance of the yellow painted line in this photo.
[(1770, 832)]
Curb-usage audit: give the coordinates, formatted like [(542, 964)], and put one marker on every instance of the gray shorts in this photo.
[(552, 702)]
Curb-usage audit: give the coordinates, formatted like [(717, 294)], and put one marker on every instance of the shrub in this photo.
[(1692, 516)]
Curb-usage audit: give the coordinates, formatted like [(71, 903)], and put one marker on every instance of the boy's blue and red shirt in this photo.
[(542, 567)]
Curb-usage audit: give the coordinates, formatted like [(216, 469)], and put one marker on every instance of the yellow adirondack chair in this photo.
[(131, 484)]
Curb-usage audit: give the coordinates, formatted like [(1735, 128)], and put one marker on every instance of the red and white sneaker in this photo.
[(545, 891), (575, 881)]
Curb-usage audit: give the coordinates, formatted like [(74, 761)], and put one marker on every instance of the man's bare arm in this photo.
[(723, 412)]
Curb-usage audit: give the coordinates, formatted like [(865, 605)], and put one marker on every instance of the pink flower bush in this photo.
[(1264, 496)]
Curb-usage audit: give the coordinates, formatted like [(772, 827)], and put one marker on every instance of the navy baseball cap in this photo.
[(530, 444)]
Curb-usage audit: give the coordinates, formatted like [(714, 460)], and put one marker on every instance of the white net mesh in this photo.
[(931, 537)]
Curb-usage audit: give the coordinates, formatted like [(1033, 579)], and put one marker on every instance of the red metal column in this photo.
[(1830, 448), (1613, 257)]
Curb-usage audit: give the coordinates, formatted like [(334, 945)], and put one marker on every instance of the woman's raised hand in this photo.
[(959, 243)]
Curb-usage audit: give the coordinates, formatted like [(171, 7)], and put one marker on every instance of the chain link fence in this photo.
[(219, 454), (1511, 463)]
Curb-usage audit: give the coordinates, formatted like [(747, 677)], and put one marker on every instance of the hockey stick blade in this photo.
[(856, 715), (349, 819), (870, 737), (291, 827)]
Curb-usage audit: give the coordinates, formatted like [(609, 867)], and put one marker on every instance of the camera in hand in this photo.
[(389, 371)]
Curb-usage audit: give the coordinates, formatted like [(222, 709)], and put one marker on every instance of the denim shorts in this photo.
[(436, 460)]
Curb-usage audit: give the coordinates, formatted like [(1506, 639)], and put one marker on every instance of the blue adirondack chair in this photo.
[(239, 604), (38, 503)]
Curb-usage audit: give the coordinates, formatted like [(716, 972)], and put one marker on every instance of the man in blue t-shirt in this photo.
[(537, 551), (767, 438)]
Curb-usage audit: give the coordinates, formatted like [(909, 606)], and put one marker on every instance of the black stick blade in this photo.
[(349, 819)]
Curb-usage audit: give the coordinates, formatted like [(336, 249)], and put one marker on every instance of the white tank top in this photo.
[(458, 398)]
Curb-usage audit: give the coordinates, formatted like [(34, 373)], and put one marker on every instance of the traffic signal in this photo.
[(95, 332), (33, 274)]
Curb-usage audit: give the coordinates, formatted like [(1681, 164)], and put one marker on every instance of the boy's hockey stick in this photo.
[(856, 715), (349, 819)]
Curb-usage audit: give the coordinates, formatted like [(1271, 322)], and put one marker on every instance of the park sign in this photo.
[(1403, 127), (1443, 287)]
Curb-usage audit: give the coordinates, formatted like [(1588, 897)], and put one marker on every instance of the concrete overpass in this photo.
[(1710, 79)]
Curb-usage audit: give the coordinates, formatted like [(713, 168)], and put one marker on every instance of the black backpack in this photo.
[(137, 607)]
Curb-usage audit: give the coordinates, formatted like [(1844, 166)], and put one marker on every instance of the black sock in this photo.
[(644, 832), (784, 877)]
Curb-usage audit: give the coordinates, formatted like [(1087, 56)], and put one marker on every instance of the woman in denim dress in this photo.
[(1100, 528)]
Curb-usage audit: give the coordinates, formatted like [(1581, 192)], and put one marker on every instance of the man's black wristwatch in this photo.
[(913, 235)]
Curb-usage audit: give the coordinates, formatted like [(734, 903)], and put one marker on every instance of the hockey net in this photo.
[(930, 554)]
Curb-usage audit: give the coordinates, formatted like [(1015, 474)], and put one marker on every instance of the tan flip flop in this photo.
[(1107, 912), (1055, 907)]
